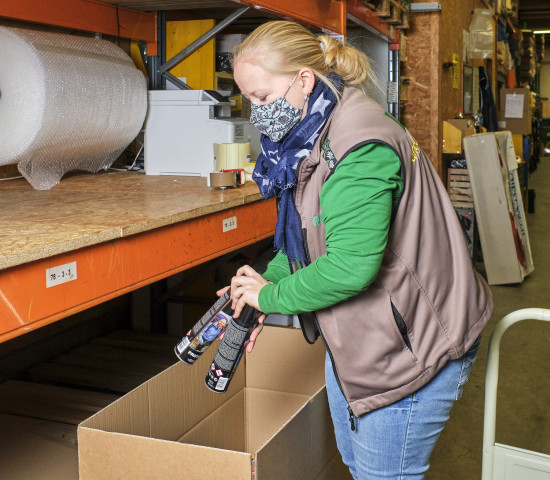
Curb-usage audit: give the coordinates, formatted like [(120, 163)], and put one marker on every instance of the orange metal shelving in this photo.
[(113, 268), (368, 17), (87, 15), (329, 15)]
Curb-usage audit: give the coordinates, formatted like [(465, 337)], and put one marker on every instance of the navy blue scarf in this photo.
[(275, 171)]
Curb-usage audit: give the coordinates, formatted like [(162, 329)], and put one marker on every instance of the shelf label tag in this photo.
[(60, 274), (229, 224)]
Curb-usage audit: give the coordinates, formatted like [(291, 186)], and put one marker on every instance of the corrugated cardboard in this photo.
[(498, 207), (518, 126), (272, 424), (523, 92), (516, 115)]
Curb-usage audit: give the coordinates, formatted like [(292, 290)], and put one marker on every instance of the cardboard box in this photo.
[(454, 130), (517, 126), (516, 99), (273, 423)]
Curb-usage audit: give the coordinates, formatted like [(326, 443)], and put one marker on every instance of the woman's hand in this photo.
[(255, 333), (245, 289)]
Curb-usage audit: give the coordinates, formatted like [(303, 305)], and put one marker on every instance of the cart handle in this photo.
[(491, 381)]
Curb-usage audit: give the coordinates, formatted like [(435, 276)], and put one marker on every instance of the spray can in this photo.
[(206, 330), (231, 349)]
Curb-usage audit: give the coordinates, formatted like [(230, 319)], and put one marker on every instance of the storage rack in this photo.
[(118, 254)]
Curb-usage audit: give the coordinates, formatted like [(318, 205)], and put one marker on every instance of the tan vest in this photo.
[(427, 305)]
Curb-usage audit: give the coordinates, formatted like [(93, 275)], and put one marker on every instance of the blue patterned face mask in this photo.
[(277, 118)]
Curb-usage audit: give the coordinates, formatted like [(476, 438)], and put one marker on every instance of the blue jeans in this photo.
[(395, 442)]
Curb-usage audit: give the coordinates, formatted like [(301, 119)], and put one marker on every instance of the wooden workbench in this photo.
[(119, 231)]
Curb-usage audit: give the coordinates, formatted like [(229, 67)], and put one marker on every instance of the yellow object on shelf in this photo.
[(453, 132), (197, 68), (517, 140), (248, 169)]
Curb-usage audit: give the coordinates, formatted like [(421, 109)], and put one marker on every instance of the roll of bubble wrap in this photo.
[(66, 103)]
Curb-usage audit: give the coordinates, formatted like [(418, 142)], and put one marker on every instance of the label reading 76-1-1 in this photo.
[(60, 274)]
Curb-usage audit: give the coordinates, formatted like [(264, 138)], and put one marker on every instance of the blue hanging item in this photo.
[(487, 102)]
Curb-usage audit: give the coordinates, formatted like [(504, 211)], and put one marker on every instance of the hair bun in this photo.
[(346, 61)]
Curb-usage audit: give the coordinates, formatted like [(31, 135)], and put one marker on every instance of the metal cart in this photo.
[(503, 462)]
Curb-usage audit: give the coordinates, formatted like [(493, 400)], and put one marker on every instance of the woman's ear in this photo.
[(307, 79)]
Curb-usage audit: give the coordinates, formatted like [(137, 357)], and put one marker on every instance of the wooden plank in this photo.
[(164, 225), (120, 367), (459, 184), (460, 204), (134, 345), (32, 448), (145, 337), (51, 402), (86, 377), (101, 352)]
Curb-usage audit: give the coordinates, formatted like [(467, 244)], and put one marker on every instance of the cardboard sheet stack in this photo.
[(496, 190)]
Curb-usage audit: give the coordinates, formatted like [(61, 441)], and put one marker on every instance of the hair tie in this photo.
[(322, 47)]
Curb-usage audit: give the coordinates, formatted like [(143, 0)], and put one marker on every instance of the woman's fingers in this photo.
[(219, 293), (254, 336)]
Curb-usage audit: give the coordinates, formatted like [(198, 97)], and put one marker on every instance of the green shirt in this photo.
[(357, 202)]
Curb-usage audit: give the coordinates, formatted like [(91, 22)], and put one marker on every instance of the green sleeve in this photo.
[(357, 202), (278, 268)]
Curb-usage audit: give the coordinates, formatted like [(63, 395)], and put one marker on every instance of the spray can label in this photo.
[(204, 332), (227, 357)]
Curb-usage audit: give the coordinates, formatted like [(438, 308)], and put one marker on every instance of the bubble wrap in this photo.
[(66, 103)]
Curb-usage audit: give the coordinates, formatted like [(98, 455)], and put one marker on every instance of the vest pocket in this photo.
[(401, 326), (306, 245)]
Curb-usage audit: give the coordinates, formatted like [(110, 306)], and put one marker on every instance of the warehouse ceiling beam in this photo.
[(86, 15)]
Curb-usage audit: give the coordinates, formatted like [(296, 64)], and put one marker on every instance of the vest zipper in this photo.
[(306, 250), (350, 411), (351, 418)]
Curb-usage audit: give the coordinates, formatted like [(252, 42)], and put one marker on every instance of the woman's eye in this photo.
[(262, 99)]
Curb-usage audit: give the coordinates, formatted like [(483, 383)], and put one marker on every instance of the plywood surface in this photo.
[(88, 209)]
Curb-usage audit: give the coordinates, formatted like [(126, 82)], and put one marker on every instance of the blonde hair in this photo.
[(283, 47)]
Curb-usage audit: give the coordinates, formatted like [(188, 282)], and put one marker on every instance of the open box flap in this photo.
[(104, 456), (286, 363), (303, 445)]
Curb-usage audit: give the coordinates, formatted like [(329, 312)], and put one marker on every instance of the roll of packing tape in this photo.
[(67, 103), (231, 156), (223, 179)]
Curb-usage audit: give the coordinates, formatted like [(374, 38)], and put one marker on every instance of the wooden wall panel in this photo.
[(422, 111), (432, 39), (455, 17)]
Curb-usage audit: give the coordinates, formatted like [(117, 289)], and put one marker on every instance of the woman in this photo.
[(370, 251)]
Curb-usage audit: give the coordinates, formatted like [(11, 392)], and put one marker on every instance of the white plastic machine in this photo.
[(182, 126)]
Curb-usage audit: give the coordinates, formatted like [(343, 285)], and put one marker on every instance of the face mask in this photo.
[(277, 118)]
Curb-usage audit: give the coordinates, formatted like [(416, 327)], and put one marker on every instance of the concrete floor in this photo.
[(523, 413)]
